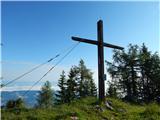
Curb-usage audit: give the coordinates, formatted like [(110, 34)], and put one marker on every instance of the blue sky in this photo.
[(33, 32)]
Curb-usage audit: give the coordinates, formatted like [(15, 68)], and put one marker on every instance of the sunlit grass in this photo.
[(84, 109)]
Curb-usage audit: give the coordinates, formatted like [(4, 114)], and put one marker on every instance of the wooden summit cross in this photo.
[(100, 45)]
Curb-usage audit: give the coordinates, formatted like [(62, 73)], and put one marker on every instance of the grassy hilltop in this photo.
[(86, 109)]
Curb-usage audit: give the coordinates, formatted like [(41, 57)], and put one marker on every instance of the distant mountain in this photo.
[(30, 97)]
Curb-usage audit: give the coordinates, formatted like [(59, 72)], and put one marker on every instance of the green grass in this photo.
[(85, 109)]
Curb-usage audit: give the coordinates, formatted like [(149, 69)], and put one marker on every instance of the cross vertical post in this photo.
[(101, 84), (100, 44)]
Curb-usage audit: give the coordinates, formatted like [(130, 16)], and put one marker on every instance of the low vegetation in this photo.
[(87, 109)]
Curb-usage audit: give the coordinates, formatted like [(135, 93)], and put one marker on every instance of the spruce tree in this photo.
[(45, 97), (61, 95), (71, 85), (79, 84)]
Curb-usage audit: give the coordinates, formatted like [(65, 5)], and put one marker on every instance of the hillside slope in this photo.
[(86, 109)]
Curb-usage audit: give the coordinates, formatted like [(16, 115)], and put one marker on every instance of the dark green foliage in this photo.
[(137, 73), (16, 106), (71, 85), (112, 90), (10, 104), (151, 78), (61, 95), (86, 84), (19, 103), (83, 82), (93, 89), (45, 97), (79, 84)]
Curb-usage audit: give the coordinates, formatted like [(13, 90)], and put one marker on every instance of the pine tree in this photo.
[(61, 95), (45, 97)]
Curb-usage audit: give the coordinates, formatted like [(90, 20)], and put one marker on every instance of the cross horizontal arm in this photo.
[(96, 43), (85, 40), (112, 46)]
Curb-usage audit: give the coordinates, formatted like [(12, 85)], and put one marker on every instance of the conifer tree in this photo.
[(137, 73), (82, 71), (45, 97), (71, 85), (150, 71), (93, 89), (112, 90), (126, 73), (85, 78), (79, 84), (61, 95)]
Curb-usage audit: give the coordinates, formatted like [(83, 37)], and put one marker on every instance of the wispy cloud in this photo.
[(19, 88), (10, 72)]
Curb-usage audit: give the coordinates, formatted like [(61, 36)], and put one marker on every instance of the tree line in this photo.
[(135, 74), (134, 77), (78, 84)]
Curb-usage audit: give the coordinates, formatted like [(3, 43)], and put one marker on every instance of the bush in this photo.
[(19, 103)]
